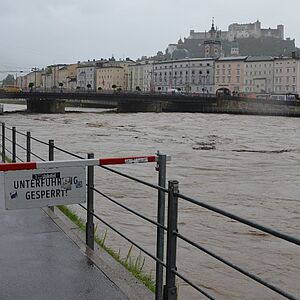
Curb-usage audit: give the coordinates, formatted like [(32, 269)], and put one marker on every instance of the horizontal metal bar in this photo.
[(35, 155), (126, 238), (8, 128), (235, 267), (21, 133), (8, 139), (20, 146), (131, 210), (157, 187), (67, 152), (39, 141), (193, 285), (8, 151), (242, 220), (21, 160)]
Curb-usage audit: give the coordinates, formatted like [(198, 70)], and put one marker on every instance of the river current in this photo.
[(248, 165)]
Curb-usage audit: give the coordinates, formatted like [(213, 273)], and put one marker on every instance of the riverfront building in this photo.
[(259, 74), (287, 75), (113, 75), (86, 75), (67, 77), (187, 75), (34, 77), (50, 77), (229, 73), (140, 76)]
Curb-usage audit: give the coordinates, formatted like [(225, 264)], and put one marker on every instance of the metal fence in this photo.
[(166, 265)]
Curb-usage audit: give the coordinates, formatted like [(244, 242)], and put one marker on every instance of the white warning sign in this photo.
[(44, 187)]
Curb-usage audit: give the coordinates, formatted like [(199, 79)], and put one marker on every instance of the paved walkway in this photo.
[(38, 261)]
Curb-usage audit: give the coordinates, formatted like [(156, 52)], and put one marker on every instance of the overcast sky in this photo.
[(43, 32)]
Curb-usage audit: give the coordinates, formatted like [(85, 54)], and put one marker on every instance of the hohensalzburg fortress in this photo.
[(239, 31)]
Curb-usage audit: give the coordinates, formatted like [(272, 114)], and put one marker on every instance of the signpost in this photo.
[(44, 187), (51, 183)]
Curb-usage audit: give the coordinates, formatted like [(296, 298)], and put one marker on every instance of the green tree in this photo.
[(114, 87), (61, 86), (31, 85), (9, 80), (99, 88)]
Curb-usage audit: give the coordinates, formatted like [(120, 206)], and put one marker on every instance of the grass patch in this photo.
[(134, 266), (7, 159)]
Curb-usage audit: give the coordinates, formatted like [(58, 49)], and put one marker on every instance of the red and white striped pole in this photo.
[(76, 163)]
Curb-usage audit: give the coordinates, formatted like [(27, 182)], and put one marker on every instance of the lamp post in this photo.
[(35, 69)]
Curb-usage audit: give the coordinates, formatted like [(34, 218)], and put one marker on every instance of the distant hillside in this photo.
[(247, 46)]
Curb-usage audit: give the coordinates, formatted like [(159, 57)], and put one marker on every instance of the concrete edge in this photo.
[(113, 270)]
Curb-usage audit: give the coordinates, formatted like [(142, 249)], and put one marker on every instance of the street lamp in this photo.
[(35, 69)]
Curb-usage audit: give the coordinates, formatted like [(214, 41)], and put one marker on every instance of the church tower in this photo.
[(212, 43)]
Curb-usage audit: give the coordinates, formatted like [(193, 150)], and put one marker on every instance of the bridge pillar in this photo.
[(49, 106)]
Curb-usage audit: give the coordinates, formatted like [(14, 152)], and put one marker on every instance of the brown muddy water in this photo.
[(248, 165)]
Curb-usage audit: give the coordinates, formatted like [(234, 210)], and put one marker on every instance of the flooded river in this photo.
[(248, 165)]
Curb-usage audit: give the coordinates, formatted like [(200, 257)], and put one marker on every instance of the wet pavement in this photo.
[(38, 261)]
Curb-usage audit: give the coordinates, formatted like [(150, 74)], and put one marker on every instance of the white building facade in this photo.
[(259, 74), (86, 74), (140, 76), (194, 75), (287, 75)]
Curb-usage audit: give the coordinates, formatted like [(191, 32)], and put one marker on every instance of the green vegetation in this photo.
[(134, 266), (7, 159), (31, 85), (9, 80)]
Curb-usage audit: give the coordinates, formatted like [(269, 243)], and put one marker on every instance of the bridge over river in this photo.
[(53, 102)]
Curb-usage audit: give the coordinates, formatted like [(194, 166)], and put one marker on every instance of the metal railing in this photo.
[(169, 290)]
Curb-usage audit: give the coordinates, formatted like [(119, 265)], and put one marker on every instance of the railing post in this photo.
[(170, 289), (51, 158), (51, 150), (28, 146), (161, 167), (13, 133), (89, 233), (3, 142)]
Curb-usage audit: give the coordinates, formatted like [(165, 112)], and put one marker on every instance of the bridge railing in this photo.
[(168, 291)]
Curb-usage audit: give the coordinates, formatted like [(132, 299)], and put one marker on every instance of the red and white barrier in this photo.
[(76, 163)]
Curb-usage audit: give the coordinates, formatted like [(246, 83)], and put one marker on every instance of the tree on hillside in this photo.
[(9, 80)]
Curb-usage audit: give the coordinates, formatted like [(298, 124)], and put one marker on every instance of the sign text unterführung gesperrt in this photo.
[(39, 188)]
